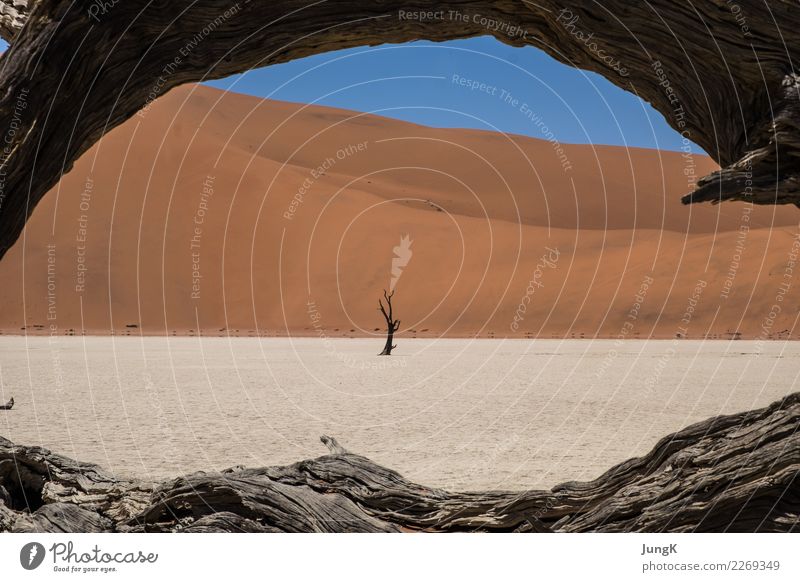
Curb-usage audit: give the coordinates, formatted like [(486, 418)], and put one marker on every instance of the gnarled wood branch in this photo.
[(13, 15), (722, 77), (730, 473)]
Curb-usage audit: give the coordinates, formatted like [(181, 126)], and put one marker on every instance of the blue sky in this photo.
[(421, 82), (415, 82)]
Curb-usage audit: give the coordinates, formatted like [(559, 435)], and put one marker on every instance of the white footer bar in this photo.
[(401, 557)]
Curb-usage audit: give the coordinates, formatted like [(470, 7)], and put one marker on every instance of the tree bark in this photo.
[(388, 346), (723, 78), (13, 14), (737, 473)]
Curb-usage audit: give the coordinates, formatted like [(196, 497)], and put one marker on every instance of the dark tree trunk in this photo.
[(392, 325), (724, 79), (388, 347)]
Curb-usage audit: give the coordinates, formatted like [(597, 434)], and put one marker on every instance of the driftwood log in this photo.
[(738, 473), (722, 73)]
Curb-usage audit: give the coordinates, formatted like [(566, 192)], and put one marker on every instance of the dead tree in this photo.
[(392, 325)]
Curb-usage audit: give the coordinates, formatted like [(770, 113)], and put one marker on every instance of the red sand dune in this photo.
[(226, 213)]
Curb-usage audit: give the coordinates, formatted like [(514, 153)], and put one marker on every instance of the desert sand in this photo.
[(216, 213)]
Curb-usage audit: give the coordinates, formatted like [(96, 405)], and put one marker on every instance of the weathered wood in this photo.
[(721, 73), (730, 473), (13, 14)]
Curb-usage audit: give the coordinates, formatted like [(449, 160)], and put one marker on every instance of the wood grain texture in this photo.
[(13, 15), (721, 75), (737, 473)]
